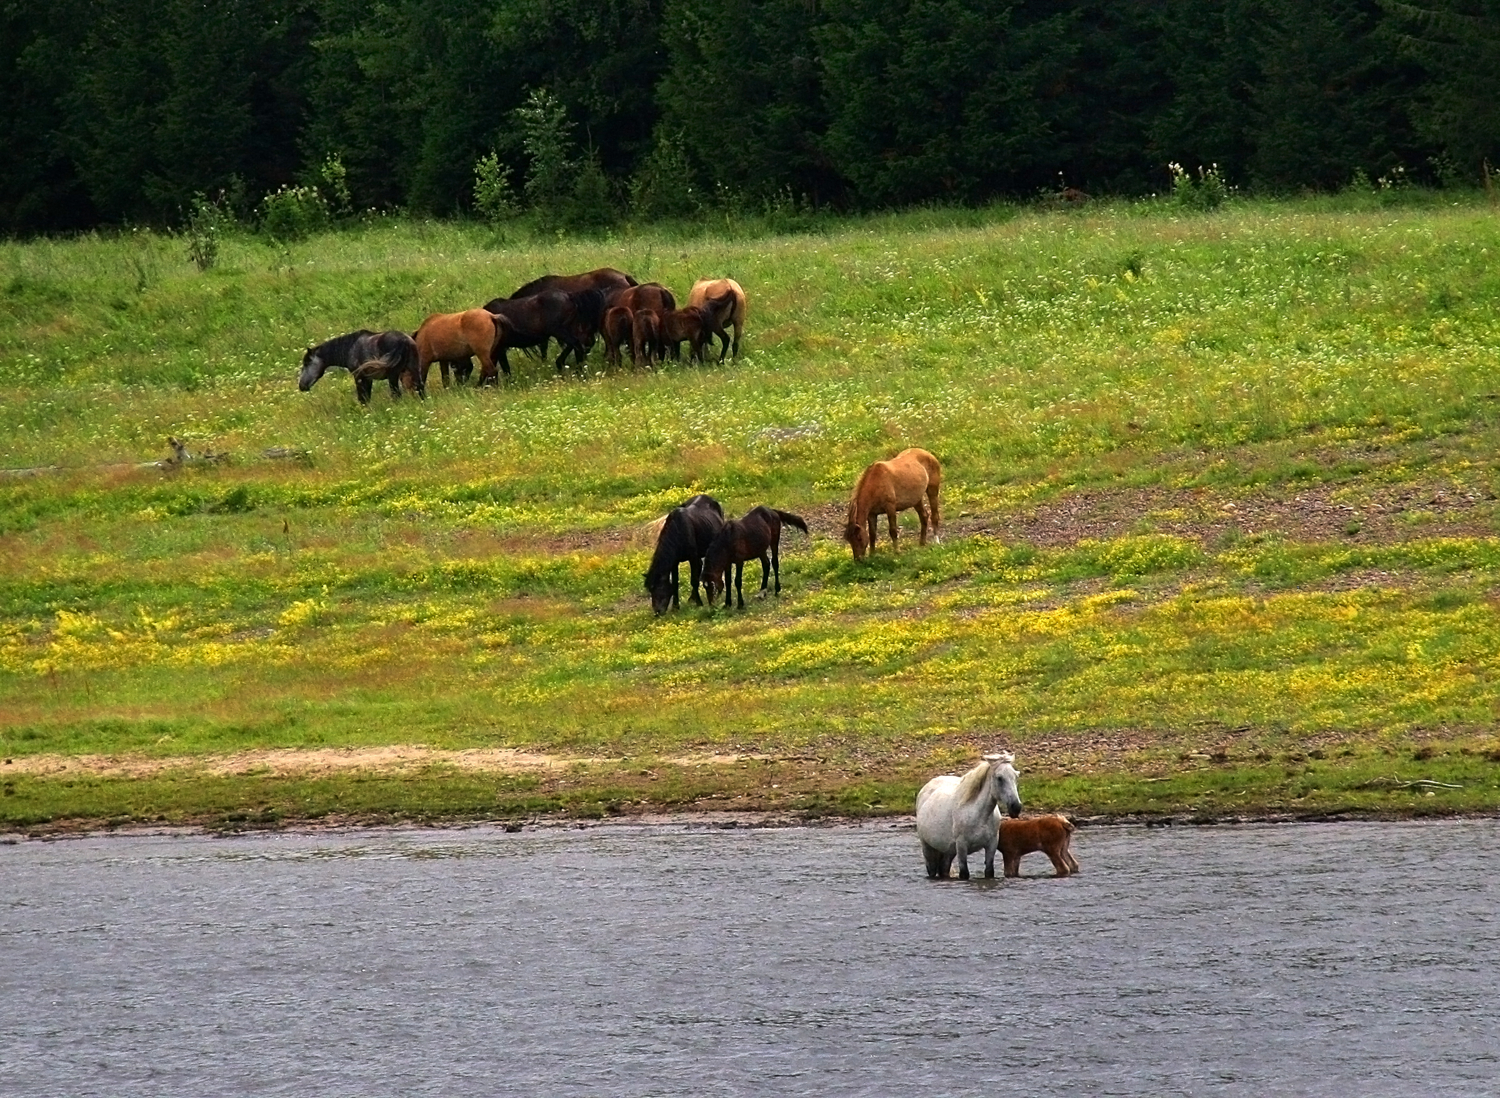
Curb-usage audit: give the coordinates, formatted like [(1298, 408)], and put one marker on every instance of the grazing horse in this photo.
[(616, 329), (756, 536), (910, 479), (604, 278), (685, 536), (453, 340), (696, 323), (646, 345), (731, 310), (531, 321), (651, 295), (1048, 834), (368, 356), (956, 815)]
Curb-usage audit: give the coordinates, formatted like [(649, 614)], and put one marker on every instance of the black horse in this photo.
[(685, 536), (573, 319), (757, 536), (369, 356)]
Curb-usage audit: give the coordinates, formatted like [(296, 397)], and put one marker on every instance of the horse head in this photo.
[(313, 367), (659, 587), (1003, 779), (854, 534)]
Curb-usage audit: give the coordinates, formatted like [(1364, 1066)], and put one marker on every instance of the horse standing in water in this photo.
[(756, 536), (369, 356), (685, 536), (956, 815), (911, 479)]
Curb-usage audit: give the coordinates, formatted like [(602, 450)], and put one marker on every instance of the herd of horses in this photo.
[(574, 310)]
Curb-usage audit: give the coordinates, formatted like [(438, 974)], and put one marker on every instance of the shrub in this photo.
[(292, 213), (493, 197), (206, 222), (1208, 193)]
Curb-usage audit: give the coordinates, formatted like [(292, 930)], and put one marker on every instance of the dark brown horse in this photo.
[(616, 331), (756, 536), (571, 319), (685, 536), (604, 278), (369, 356)]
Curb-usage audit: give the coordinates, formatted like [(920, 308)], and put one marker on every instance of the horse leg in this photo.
[(961, 852), (934, 859), (873, 521), (922, 518), (892, 526), (932, 502), (1012, 864), (1059, 867), (695, 572), (739, 584), (362, 387), (765, 575), (394, 381), (989, 855)]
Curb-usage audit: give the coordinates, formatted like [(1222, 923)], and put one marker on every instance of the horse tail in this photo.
[(793, 520)]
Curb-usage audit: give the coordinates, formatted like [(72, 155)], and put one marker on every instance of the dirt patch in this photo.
[(305, 762), (1379, 515)]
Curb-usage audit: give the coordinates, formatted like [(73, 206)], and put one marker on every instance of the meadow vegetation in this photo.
[(1220, 499)]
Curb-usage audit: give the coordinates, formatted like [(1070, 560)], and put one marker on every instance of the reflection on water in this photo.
[(1332, 959)]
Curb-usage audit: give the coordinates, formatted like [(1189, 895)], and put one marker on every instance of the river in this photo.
[(1336, 959)]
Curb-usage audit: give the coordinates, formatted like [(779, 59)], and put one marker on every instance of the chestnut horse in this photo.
[(651, 295), (645, 337), (697, 324), (911, 479), (452, 340), (730, 310), (756, 536), (1051, 835)]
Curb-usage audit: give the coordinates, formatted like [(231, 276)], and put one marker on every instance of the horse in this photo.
[(368, 356), (685, 536), (453, 340), (1048, 834), (617, 329), (695, 323), (730, 312), (649, 295), (604, 278), (757, 535), (531, 321), (956, 815), (646, 343), (909, 479)]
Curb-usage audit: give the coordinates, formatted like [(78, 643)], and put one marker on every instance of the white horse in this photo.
[(956, 815)]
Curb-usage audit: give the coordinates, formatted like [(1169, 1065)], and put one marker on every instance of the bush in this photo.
[(1208, 193), (206, 222), (493, 197)]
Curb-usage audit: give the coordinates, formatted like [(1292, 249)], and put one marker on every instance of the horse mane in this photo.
[(853, 517), (335, 351), (971, 785)]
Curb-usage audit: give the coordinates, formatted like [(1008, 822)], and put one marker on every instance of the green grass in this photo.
[(464, 572)]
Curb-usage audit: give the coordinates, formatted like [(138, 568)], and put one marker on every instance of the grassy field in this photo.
[(1221, 530)]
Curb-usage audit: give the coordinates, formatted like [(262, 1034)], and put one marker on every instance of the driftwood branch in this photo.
[(1397, 783)]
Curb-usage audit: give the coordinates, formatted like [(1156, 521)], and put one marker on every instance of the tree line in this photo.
[(128, 111)]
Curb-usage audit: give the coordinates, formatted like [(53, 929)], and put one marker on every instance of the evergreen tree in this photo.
[(945, 99), (1457, 43)]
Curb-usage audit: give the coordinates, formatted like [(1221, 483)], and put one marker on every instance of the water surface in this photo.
[(1330, 959)]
